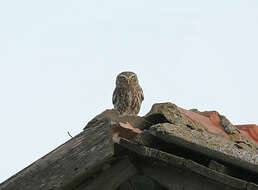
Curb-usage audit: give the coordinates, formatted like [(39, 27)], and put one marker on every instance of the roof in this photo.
[(168, 148)]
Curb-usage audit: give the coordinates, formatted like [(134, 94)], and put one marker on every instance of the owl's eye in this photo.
[(122, 78), (134, 79)]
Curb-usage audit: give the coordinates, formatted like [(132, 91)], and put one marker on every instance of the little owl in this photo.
[(128, 95)]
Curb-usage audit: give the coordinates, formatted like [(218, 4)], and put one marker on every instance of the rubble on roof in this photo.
[(184, 149), (169, 148)]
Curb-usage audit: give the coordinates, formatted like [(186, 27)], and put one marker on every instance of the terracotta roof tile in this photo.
[(250, 131), (211, 120), (212, 123)]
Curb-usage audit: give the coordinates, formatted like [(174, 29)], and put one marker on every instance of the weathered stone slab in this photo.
[(140, 182), (208, 144), (208, 121), (169, 113), (112, 177), (69, 164), (113, 116), (186, 165), (215, 176), (174, 178), (152, 153)]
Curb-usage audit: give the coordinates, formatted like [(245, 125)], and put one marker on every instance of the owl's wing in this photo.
[(115, 98), (142, 95)]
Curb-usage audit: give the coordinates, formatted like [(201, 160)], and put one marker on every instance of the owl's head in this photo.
[(127, 78)]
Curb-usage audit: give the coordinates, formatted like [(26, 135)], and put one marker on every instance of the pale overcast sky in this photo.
[(59, 60)]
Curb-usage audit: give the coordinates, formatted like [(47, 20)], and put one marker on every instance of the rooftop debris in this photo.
[(169, 148)]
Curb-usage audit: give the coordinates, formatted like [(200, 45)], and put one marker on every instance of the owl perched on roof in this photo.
[(128, 95)]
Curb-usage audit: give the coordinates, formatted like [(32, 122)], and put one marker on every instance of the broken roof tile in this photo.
[(250, 131), (212, 122)]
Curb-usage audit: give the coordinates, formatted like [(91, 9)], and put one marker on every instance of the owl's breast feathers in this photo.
[(128, 100)]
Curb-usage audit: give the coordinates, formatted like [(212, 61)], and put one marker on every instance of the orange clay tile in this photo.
[(124, 130), (250, 131), (212, 123)]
